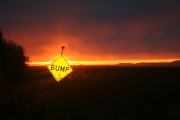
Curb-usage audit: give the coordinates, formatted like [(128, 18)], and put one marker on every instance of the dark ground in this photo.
[(94, 93)]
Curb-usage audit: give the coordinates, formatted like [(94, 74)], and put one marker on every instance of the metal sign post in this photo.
[(62, 48), (60, 67)]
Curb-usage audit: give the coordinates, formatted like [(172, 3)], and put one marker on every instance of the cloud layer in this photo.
[(94, 30)]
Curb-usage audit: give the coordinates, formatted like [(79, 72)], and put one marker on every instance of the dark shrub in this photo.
[(12, 59)]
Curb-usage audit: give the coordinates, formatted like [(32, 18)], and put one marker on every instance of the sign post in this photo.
[(60, 68)]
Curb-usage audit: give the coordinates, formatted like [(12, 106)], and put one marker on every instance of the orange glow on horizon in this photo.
[(106, 62)]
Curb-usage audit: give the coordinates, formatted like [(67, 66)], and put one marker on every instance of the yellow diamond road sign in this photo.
[(60, 68)]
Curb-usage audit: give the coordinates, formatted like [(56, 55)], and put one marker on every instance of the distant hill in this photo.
[(173, 63)]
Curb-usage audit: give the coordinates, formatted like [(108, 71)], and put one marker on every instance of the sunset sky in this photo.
[(108, 31)]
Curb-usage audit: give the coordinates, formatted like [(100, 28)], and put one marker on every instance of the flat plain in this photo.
[(94, 93)]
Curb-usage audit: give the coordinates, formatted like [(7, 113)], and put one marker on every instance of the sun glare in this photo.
[(105, 62)]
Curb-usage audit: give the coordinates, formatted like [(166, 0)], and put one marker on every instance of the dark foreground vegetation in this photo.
[(12, 60), (94, 93)]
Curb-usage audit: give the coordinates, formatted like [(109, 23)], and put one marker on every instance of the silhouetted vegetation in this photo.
[(12, 59), (95, 93)]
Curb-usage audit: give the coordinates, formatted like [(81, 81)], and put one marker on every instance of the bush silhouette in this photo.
[(12, 59)]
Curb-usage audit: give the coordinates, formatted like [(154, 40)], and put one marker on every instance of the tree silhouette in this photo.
[(12, 59)]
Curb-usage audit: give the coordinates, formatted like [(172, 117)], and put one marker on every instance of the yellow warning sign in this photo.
[(60, 68)]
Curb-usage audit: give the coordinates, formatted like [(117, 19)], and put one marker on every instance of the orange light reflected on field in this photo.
[(106, 62)]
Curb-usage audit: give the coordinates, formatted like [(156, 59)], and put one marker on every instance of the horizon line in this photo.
[(112, 62)]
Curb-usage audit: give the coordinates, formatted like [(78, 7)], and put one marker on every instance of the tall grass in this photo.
[(94, 92)]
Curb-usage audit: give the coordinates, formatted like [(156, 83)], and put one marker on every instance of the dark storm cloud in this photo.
[(124, 27), (98, 9), (127, 9)]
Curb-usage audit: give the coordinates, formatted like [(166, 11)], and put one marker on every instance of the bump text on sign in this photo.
[(59, 68)]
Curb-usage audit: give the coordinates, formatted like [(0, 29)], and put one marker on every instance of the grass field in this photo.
[(94, 93)]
